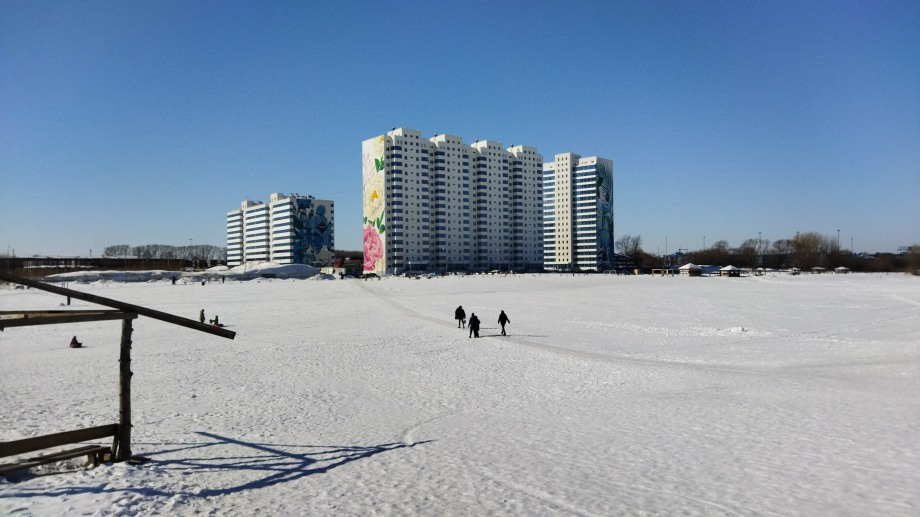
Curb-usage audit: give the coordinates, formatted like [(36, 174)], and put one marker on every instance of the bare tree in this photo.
[(629, 245), (204, 252), (782, 250), (118, 250), (913, 259), (811, 249), (746, 254)]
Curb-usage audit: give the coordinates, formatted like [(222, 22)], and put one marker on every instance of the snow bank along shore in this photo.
[(611, 396)]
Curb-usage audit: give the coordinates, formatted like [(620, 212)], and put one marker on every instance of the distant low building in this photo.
[(690, 269), (730, 271), (290, 229)]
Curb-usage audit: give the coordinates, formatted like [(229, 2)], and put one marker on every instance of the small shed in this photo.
[(690, 269), (841, 270), (730, 271), (818, 270)]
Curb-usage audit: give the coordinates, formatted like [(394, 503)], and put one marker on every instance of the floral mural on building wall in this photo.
[(374, 205), (604, 216)]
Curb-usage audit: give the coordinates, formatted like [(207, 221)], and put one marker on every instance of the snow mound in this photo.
[(243, 272), (253, 269), (111, 276)]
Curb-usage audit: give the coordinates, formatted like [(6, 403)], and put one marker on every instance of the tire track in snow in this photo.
[(534, 493), (389, 302), (583, 355), (408, 436), (636, 490), (597, 357)]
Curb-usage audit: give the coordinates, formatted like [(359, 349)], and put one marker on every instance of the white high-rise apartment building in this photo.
[(288, 230), (439, 204), (578, 213)]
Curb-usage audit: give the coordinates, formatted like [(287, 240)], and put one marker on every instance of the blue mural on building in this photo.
[(313, 230), (604, 216)]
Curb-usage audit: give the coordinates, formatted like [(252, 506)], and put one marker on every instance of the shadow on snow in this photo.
[(270, 464)]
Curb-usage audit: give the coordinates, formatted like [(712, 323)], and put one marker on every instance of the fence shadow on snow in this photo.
[(268, 464)]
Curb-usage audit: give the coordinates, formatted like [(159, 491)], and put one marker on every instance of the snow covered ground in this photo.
[(611, 396)]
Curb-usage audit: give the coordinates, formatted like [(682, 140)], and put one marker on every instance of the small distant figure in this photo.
[(215, 321), (474, 325), (201, 316), (74, 343), (222, 279), (460, 316), (502, 320), (174, 280)]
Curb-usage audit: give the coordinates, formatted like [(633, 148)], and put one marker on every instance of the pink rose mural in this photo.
[(374, 188), (373, 248)]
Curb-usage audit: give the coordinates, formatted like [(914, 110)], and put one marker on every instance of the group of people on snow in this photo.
[(460, 316), (214, 321)]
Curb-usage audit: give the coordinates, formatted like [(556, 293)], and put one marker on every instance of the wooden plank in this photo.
[(108, 302), (53, 312), (38, 443), (58, 319), (90, 450)]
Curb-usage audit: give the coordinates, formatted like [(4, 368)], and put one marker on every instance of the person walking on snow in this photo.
[(460, 316), (502, 320), (201, 316), (474, 325)]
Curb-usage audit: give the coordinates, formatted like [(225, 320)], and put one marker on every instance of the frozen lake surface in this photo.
[(610, 396)]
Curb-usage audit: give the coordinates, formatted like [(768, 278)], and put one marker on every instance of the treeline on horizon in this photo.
[(804, 251), (167, 252)]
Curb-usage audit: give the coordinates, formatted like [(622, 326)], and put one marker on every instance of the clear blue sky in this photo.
[(145, 122)]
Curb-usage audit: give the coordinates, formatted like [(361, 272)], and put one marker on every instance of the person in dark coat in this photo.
[(74, 343), (502, 320), (460, 316), (474, 325), (201, 316)]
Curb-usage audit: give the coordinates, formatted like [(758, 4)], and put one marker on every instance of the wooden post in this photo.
[(121, 447), (124, 393)]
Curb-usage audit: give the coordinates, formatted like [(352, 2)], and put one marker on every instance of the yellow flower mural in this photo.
[(374, 165)]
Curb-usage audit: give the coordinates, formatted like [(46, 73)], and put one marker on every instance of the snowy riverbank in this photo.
[(611, 396)]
